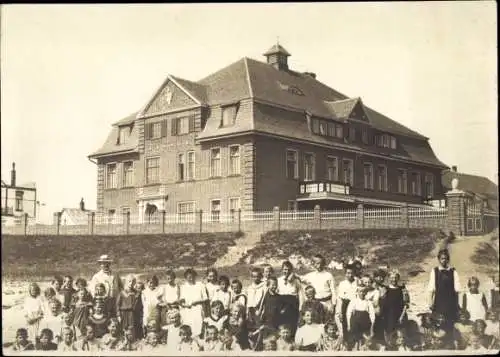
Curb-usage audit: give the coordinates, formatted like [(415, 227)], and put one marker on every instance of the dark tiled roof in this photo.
[(127, 120), (277, 48), (111, 146), (479, 185), (197, 90)]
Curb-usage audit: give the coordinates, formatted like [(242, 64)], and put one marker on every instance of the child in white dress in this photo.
[(171, 296), (223, 294), (187, 343), (474, 301), (193, 296), (33, 310), (151, 298), (309, 334)]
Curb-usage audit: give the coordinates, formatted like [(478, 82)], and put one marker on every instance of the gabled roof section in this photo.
[(111, 147), (195, 90), (342, 109)]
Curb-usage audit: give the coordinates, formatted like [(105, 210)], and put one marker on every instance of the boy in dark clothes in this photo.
[(310, 303)]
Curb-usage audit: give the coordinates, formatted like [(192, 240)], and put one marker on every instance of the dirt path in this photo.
[(243, 245)]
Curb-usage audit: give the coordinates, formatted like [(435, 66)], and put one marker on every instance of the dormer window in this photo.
[(386, 141), (327, 128), (123, 134), (229, 115)]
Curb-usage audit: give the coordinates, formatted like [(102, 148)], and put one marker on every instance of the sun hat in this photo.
[(104, 259)]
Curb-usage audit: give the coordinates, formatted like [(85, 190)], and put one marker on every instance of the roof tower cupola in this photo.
[(277, 57)]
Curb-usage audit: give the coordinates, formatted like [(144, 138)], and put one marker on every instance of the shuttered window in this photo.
[(183, 125), (155, 130)]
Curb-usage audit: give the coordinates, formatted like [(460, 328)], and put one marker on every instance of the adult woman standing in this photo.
[(444, 286), (288, 289)]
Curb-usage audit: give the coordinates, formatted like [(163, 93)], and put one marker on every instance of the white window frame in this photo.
[(339, 131), (156, 129), (336, 172), (350, 180), (236, 170), (226, 111), (182, 125), (296, 168), (123, 134), (404, 181), (382, 185), (148, 181), (416, 183), (323, 127), (115, 183), (179, 204), (111, 215), (393, 142), (233, 199), (315, 126), (130, 172), (215, 169), (368, 184), (215, 215), (313, 166), (190, 171), (181, 166)]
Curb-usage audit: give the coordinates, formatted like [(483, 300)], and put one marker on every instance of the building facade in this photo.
[(17, 200), (255, 135)]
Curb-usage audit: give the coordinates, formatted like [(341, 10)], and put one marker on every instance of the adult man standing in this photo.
[(112, 282)]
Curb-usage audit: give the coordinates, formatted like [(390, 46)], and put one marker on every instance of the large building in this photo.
[(255, 135), (17, 200)]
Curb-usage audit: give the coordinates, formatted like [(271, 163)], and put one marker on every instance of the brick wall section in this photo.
[(100, 187), (249, 176), (139, 124)]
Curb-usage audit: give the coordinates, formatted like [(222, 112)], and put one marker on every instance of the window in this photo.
[(352, 134), (181, 166), (415, 184), (339, 131), (234, 160), (393, 142), (125, 210), (429, 185), (348, 167), (124, 132), (182, 126), (315, 126), (386, 141), (152, 170), (382, 178), (323, 128), (234, 204), (128, 174), (111, 176), (292, 167), (332, 168), (19, 200), (309, 167), (368, 176), (185, 210), (229, 115), (331, 129), (155, 130), (190, 165), (111, 216), (364, 136), (215, 163), (292, 206), (215, 208), (402, 181)]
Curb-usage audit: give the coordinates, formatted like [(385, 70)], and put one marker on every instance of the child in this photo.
[(267, 272), (223, 293), (67, 323), (45, 343), (211, 286), (212, 342), (308, 335), (398, 341), (130, 343), (237, 325), (193, 296), (285, 340), (67, 344), (494, 299), (473, 301), (379, 276), (331, 340), (22, 343), (476, 346), (255, 295), (99, 320), (100, 296), (367, 343), (289, 290), (228, 341), (82, 306), (346, 292), (113, 338), (56, 284), (216, 318), (151, 343), (48, 295), (33, 310), (487, 341), (237, 295), (89, 342), (360, 317), (395, 304), (67, 292), (271, 307), (151, 298), (270, 343), (172, 330), (129, 307), (310, 303), (187, 343), (171, 296), (53, 320)]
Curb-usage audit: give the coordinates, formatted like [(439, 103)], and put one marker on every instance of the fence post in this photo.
[(162, 221), (405, 217), (457, 218), (276, 218), (199, 220), (317, 216), (360, 216), (25, 223), (91, 217), (126, 222), (57, 221)]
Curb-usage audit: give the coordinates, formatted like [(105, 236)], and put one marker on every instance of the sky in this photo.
[(69, 71)]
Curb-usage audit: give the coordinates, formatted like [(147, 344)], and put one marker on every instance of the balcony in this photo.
[(314, 190)]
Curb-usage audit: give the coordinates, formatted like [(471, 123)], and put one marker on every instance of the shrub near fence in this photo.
[(235, 221)]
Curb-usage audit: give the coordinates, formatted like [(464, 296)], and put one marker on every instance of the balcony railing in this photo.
[(308, 187)]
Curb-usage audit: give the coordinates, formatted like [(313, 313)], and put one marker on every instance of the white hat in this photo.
[(104, 259)]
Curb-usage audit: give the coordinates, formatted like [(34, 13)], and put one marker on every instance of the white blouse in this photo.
[(347, 289), (288, 287), (170, 293), (308, 334)]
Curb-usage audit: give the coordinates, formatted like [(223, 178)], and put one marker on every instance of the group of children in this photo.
[(364, 312)]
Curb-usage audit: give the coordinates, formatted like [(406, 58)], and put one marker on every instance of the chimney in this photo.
[(13, 175), (277, 57), (454, 168), (310, 74), (82, 205)]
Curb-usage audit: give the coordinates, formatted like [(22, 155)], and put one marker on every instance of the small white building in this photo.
[(17, 200), (75, 216)]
